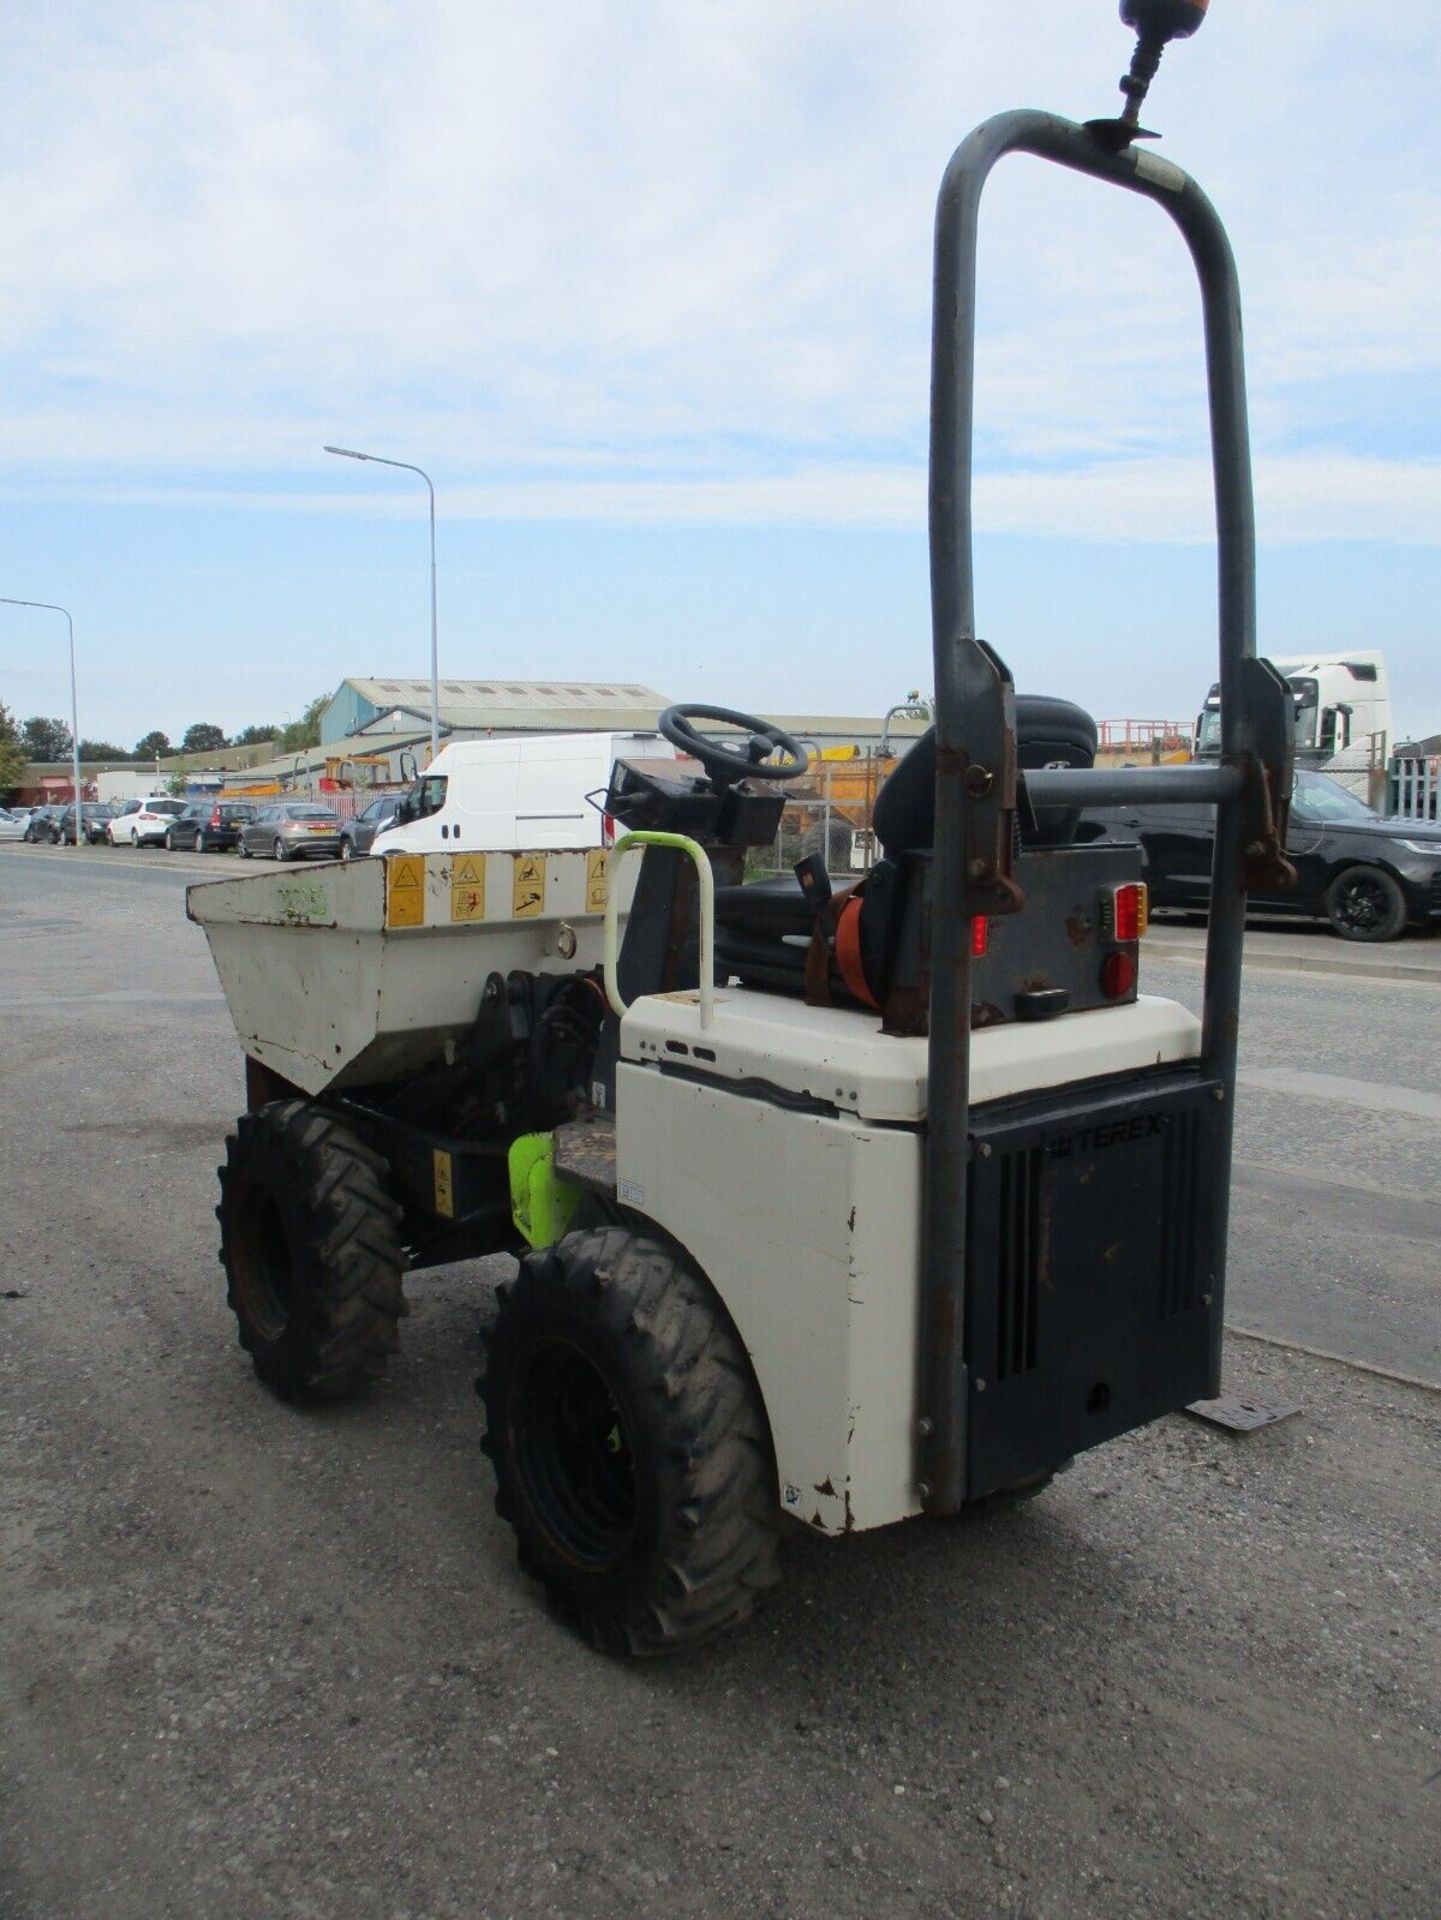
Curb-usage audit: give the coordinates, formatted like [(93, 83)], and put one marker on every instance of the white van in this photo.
[(527, 791)]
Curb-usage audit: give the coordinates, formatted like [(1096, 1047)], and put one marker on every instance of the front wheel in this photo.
[(1366, 903), (630, 1444), (347, 851), (169, 841), (310, 1244)]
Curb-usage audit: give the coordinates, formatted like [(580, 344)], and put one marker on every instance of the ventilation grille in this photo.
[(1017, 1278)]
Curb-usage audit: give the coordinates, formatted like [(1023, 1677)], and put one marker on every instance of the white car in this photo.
[(142, 823), (12, 825)]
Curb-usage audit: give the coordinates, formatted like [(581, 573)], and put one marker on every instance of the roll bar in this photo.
[(975, 723)]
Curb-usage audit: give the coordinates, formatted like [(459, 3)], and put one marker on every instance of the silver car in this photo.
[(291, 830)]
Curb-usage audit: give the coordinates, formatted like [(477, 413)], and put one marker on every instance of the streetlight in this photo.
[(45, 606), (349, 453)]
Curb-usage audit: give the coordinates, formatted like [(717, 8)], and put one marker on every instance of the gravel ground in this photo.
[(258, 1662)]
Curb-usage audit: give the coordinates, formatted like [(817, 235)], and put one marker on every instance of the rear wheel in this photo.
[(347, 851), (1365, 903), (631, 1449), (832, 840), (310, 1243), (170, 840), (278, 849)]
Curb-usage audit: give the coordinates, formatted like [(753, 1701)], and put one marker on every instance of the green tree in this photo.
[(305, 732), (257, 736), (203, 738), (102, 750), (45, 739), (154, 746), (12, 756)]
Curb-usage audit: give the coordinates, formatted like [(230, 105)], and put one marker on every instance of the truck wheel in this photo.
[(1365, 903), (631, 1449), (310, 1243), (833, 846)]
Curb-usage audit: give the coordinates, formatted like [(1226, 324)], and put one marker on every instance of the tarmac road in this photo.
[(262, 1663)]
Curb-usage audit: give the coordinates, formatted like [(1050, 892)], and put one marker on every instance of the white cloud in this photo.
[(674, 262)]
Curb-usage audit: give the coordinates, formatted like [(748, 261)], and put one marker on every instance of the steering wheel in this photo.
[(728, 764)]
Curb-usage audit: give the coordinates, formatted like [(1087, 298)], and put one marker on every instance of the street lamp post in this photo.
[(349, 453), (46, 606)]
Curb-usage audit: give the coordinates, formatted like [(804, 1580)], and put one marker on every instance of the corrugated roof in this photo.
[(502, 695)]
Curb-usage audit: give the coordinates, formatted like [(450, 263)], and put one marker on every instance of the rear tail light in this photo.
[(215, 818), (607, 829), (980, 935), (1118, 975), (1125, 911)]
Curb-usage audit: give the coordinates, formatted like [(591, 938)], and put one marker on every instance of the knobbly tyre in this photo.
[(848, 1205)]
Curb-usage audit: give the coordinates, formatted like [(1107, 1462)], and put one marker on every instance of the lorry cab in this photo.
[(531, 791), (1342, 701)]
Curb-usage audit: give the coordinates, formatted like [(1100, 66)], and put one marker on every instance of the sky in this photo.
[(645, 288)]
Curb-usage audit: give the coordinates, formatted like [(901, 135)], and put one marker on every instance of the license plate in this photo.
[(320, 829)]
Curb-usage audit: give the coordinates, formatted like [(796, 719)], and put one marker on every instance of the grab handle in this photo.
[(680, 843)]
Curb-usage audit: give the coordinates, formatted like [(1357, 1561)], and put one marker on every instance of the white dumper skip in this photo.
[(359, 972)]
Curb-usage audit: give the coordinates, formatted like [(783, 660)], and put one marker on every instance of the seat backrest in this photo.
[(1048, 733)]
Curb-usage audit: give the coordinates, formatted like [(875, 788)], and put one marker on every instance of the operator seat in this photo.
[(765, 931)]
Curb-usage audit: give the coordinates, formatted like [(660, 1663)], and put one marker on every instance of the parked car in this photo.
[(41, 825), (95, 816), (208, 826), (142, 823), (1369, 876), (291, 830), (12, 825), (357, 835)]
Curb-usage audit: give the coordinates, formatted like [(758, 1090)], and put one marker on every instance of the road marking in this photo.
[(1374, 1096)]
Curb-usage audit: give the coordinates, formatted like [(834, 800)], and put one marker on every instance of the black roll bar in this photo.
[(975, 737)]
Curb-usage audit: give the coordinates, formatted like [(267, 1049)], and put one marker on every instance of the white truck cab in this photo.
[(527, 791)]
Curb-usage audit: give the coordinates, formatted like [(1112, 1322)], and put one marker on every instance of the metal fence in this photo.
[(1414, 783)]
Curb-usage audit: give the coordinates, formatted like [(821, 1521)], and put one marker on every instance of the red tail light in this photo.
[(607, 829), (215, 818), (980, 935), (1125, 911), (1118, 975)]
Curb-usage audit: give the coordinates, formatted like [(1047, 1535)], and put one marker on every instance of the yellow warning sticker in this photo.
[(528, 889), (595, 881), (444, 1184), (405, 890), (467, 887)]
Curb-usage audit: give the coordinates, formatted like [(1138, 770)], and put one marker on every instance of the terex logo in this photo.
[(1111, 1133)]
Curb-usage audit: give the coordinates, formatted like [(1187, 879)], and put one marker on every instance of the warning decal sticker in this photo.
[(405, 890), (528, 892), (595, 881), (467, 887)]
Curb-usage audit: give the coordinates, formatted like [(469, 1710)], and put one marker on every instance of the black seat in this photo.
[(1048, 733), (763, 931)]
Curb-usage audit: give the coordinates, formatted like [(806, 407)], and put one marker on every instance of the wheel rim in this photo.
[(573, 1452), (1363, 904), (260, 1265), (279, 849)]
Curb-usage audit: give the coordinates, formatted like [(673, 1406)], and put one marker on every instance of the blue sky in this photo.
[(646, 288)]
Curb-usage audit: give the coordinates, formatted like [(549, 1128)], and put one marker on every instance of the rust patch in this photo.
[(1078, 929), (826, 1488), (816, 1521), (850, 1517), (985, 1013)]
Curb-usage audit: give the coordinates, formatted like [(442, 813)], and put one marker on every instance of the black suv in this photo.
[(1367, 875), (208, 826)]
